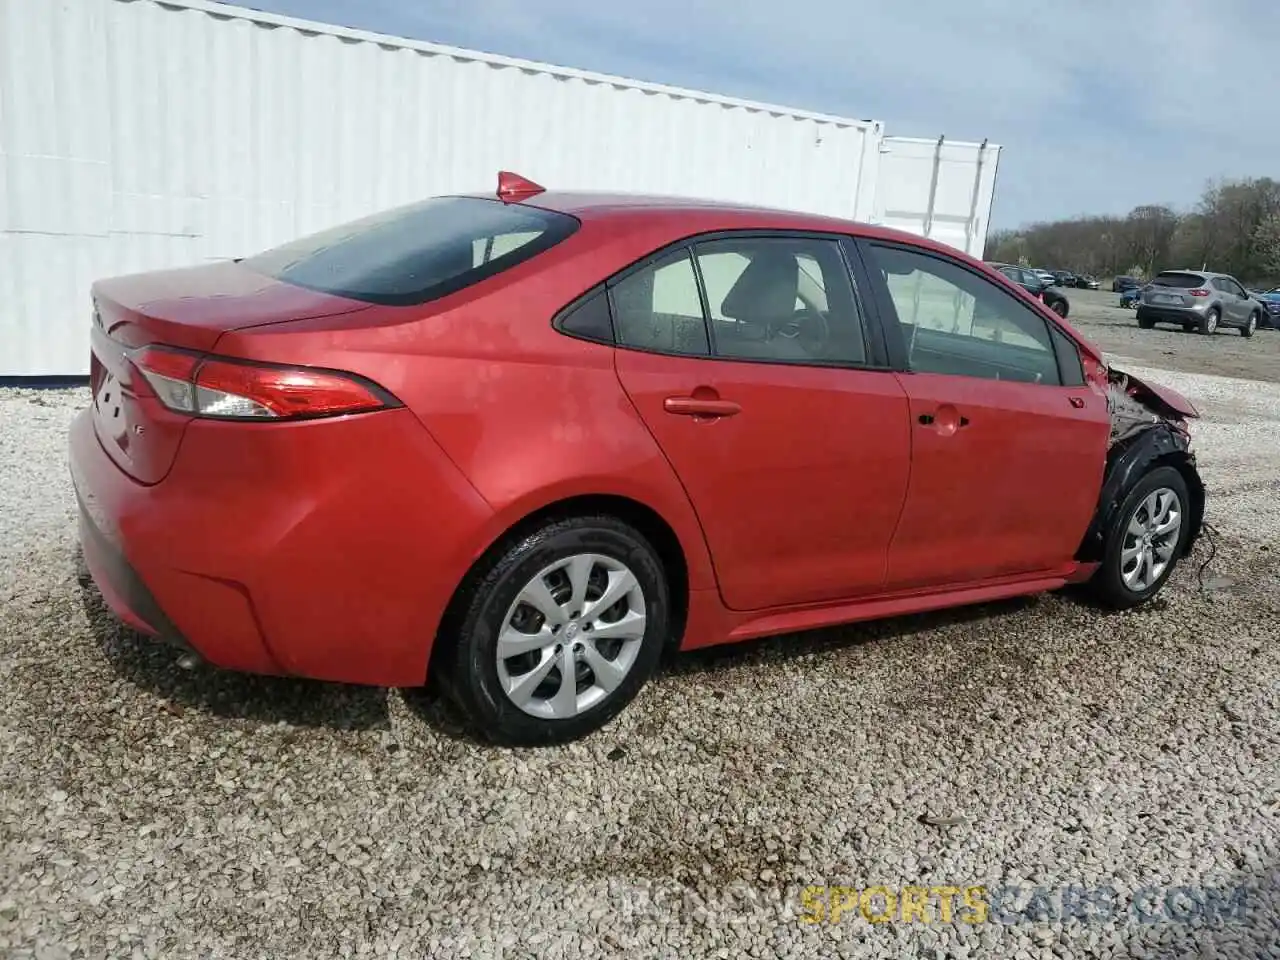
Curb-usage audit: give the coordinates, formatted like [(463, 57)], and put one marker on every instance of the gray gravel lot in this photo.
[(1097, 314), (147, 811)]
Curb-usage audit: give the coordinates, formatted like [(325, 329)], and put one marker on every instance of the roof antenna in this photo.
[(512, 188)]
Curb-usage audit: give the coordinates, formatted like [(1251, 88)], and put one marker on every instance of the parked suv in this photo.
[(1196, 300)]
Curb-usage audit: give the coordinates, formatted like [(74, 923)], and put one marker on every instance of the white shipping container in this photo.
[(138, 134)]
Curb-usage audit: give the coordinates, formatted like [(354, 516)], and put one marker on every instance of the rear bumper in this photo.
[(324, 549), (1162, 314)]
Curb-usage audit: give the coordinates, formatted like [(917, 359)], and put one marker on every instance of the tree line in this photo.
[(1234, 228)]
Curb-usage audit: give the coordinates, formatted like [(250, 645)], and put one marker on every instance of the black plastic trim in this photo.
[(563, 314), (1127, 464), (126, 582)]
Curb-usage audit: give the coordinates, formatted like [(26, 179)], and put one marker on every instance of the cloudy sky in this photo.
[(1099, 106)]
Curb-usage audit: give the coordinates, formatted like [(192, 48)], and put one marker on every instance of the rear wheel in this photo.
[(1145, 542), (1209, 324), (1059, 307), (560, 633), (1146, 323), (1248, 329)]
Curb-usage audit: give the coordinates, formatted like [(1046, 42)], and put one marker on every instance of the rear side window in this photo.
[(1175, 278), (660, 308), (416, 253)]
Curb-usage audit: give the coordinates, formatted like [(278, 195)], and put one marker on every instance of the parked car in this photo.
[(1032, 282), (1270, 300), (1130, 297), (1086, 282), (518, 445), (1120, 284), (1196, 300), (1046, 276), (1063, 278)]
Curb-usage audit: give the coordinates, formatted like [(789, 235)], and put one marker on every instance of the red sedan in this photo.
[(520, 444)]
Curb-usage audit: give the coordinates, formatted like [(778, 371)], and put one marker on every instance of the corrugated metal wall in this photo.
[(939, 189), (136, 135)]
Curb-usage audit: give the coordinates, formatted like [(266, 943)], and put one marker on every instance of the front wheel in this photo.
[(1146, 323), (559, 634), (1059, 307), (1145, 542), (1248, 329)]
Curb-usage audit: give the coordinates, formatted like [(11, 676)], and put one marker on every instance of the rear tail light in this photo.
[(1199, 292), (228, 389)]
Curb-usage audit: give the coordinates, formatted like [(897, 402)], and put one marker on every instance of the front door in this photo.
[(1008, 442), (747, 360)]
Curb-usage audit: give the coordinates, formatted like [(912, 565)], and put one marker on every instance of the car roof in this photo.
[(696, 215)]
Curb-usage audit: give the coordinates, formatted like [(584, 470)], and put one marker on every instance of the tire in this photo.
[(1059, 307), (1110, 584), (1249, 328), (1146, 323), (477, 681), (1189, 327), (1209, 325)]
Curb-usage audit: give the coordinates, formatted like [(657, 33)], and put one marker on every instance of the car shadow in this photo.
[(847, 635), (438, 712), (153, 666)]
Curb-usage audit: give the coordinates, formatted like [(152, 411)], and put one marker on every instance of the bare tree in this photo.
[(1235, 228)]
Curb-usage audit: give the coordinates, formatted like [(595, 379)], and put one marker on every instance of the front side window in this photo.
[(780, 298), (416, 253), (955, 322)]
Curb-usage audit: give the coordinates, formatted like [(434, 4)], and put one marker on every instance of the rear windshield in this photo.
[(416, 253), (1187, 281)]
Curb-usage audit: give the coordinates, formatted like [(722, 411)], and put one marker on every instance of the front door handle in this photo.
[(700, 407), (946, 420)]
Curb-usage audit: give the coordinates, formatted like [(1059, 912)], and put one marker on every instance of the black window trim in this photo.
[(874, 342), (897, 346)]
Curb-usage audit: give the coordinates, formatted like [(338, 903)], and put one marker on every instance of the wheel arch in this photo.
[(1127, 464), (648, 521)]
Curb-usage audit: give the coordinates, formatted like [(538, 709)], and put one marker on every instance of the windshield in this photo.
[(1185, 281), (416, 253)]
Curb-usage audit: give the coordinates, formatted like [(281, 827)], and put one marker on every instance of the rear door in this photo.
[(749, 360), (1234, 295), (1008, 442)]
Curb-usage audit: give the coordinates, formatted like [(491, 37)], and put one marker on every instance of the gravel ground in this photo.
[(1096, 314), (147, 811)]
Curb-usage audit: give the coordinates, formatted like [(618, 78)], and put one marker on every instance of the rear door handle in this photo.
[(698, 407), (950, 420)]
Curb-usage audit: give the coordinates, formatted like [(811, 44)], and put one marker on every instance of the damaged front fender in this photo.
[(1147, 431)]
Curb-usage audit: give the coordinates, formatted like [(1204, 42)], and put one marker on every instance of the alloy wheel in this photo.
[(1150, 539), (571, 636)]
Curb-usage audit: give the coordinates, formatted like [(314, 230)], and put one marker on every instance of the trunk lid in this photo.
[(192, 308)]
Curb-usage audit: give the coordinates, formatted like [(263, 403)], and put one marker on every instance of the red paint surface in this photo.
[(331, 548)]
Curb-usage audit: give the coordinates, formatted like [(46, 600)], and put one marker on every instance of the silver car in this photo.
[(1198, 300)]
